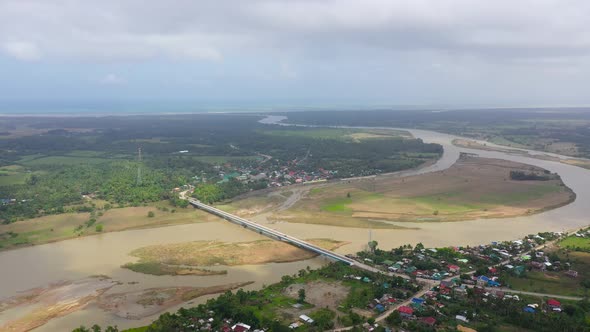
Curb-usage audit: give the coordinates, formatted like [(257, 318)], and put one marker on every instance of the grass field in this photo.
[(473, 188), (557, 282), (338, 134), (62, 160), (65, 226), (222, 159), (575, 242)]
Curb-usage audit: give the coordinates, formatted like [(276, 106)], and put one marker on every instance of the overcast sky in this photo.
[(415, 52)]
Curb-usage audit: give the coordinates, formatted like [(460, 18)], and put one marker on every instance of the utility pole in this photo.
[(139, 167)]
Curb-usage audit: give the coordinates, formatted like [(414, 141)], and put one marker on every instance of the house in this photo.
[(430, 321), (553, 303), (462, 318), (380, 308), (405, 311), (482, 280), (240, 327), (454, 268), (306, 319), (418, 301), (572, 274), (529, 310), (538, 265)]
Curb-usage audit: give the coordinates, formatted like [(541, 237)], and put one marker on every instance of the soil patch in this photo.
[(320, 293), (210, 253)]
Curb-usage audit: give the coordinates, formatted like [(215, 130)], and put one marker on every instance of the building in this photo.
[(572, 273), (405, 311), (454, 268), (240, 327), (306, 319), (553, 303), (430, 321)]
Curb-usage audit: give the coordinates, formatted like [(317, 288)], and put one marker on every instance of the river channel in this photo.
[(103, 254)]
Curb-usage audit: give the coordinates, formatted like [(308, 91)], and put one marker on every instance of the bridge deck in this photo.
[(271, 232)]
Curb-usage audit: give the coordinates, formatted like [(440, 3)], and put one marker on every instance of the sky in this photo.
[(304, 52)]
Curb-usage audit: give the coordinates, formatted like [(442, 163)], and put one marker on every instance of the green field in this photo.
[(336, 133), (550, 283), (222, 159), (556, 282), (575, 242), (63, 160)]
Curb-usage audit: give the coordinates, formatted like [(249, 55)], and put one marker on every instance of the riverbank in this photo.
[(53, 228)]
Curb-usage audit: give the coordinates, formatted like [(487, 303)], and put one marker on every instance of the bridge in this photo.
[(272, 233)]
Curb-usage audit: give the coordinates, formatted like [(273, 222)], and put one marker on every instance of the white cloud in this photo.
[(24, 51), (208, 30), (112, 79)]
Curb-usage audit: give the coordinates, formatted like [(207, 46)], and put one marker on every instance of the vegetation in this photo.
[(563, 131), (53, 172), (160, 269)]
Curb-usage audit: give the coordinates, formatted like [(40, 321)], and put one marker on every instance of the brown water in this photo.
[(104, 254)]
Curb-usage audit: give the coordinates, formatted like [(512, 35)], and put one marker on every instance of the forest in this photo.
[(538, 129), (53, 165)]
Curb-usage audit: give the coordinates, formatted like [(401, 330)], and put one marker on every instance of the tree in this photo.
[(301, 294), (394, 318), (151, 214), (99, 228), (348, 195), (373, 245)]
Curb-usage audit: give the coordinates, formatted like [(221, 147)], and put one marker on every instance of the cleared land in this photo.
[(210, 253), (472, 188), (557, 282), (65, 226)]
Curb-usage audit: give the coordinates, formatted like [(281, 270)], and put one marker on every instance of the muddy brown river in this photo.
[(103, 254)]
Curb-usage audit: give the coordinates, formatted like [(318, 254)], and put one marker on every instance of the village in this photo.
[(423, 289)]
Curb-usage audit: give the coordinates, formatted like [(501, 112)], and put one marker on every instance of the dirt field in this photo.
[(473, 188), (211, 253), (65, 226), (320, 293)]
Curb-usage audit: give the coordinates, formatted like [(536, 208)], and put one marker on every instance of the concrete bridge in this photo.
[(273, 233)]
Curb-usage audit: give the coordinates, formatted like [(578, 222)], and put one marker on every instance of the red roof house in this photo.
[(454, 268), (405, 311), (553, 303), (430, 321)]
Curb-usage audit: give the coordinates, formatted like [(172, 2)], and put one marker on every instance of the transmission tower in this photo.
[(139, 166)]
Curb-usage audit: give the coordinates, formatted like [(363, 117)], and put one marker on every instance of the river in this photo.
[(36, 266)]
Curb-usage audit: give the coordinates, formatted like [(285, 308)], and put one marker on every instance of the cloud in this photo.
[(211, 30), (24, 51), (112, 79), (287, 71)]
